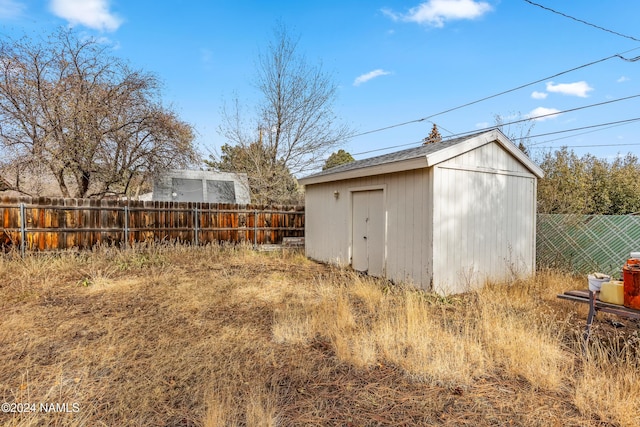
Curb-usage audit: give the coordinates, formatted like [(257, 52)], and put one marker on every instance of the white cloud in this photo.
[(539, 95), (623, 79), (10, 9), (580, 89), (548, 113), (436, 12), (482, 125), (370, 75), (90, 13)]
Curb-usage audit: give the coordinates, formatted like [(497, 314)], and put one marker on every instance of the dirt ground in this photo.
[(185, 337)]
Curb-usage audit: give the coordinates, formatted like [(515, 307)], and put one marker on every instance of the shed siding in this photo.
[(408, 235), (491, 156), (483, 226), (467, 216)]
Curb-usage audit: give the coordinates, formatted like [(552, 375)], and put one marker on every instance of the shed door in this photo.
[(368, 232)]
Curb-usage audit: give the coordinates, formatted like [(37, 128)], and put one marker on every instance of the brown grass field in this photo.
[(224, 336)]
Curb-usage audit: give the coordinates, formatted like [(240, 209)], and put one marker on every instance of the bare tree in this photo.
[(72, 113), (519, 133), (268, 182), (294, 123)]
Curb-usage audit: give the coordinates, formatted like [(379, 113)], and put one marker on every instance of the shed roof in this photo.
[(420, 157)]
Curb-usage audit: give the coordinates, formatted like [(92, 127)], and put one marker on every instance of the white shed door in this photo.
[(368, 232)]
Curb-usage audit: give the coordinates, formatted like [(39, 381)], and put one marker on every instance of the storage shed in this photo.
[(445, 216)]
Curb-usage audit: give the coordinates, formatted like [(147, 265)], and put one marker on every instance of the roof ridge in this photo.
[(394, 156)]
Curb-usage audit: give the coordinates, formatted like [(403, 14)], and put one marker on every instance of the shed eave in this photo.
[(401, 165)]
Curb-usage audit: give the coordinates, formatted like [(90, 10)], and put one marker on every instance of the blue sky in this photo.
[(395, 61)]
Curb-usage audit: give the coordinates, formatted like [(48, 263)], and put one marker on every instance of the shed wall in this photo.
[(328, 227), (490, 157), (449, 227), (484, 219)]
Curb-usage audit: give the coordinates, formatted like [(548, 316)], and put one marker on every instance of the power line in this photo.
[(589, 146), (618, 55), (582, 133), (388, 148), (608, 124), (628, 59), (619, 122), (410, 143), (582, 21), (555, 113)]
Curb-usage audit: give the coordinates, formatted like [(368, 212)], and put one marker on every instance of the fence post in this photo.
[(195, 225), (23, 230), (126, 226), (255, 228)]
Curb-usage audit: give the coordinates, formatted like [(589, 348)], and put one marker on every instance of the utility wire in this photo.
[(555, 113), (581, 133), (588, 146), (619, 122), (618, 55), (531, 146), (582, 21), (388, 148)]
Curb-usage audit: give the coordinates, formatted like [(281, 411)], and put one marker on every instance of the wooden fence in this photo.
[(43, 224)]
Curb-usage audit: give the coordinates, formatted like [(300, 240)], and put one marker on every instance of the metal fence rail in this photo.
[(587, 243), (53, 224)]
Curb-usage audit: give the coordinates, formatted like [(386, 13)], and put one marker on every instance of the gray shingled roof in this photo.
[(410, 153)]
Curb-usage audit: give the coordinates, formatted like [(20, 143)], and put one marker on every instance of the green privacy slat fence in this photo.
[(587, 243)]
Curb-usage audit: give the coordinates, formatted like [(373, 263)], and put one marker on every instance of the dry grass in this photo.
[(224, 336)]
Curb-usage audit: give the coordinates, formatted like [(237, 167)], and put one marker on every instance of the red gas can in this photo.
[(631, 276)]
